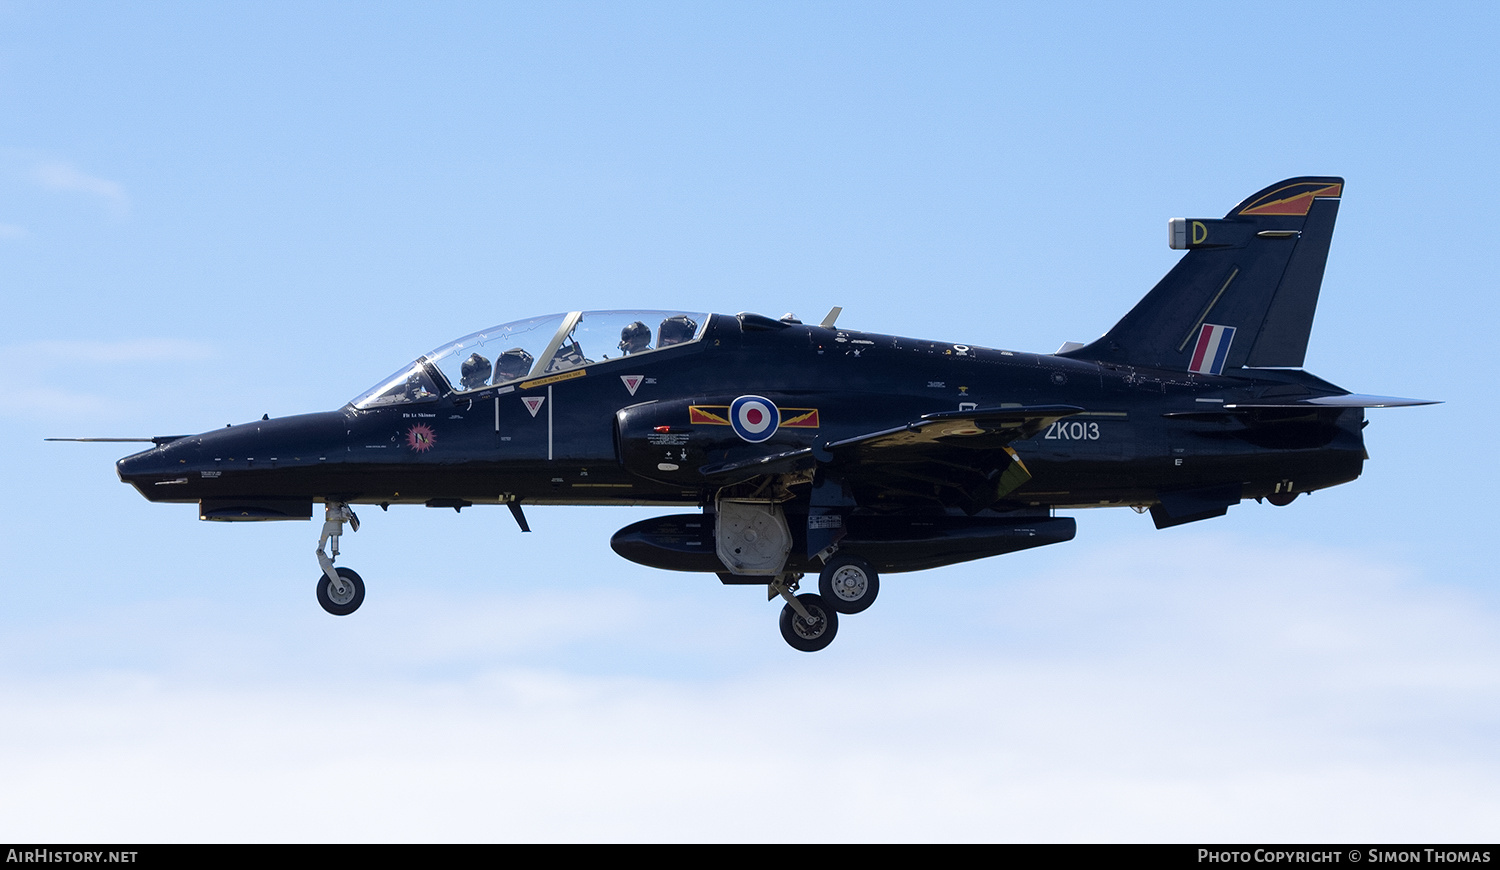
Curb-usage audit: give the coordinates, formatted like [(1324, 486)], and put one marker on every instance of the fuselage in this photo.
[(561, 438)]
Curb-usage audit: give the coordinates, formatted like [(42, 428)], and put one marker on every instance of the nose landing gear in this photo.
[(340, 591)]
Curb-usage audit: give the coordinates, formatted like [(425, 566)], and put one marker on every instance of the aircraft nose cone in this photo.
[(173, 470), (140, 465), (167, 461)]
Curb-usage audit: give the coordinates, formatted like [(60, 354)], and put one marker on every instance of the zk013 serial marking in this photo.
[(1064, 430)]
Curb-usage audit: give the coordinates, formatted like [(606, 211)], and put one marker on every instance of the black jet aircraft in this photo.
[(809, 448)]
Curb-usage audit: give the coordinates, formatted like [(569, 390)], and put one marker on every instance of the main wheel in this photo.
[(814, 636), (848, 584), (341, 605)]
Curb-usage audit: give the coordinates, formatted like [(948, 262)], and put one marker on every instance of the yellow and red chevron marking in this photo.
[(708, 415), (799, 418), (718, 415), (1294, 199)]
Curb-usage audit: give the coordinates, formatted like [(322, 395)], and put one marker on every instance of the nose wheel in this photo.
[(345, 598)]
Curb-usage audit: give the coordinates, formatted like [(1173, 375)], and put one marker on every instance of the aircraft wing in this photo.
[(773, 462), (959, 457), (975, 428)]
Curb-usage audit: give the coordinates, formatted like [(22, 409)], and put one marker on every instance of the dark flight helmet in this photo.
[(474, 372), (676, 330), (512, 364), (635, 338)]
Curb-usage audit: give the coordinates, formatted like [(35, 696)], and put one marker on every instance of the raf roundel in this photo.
[(753, 418)]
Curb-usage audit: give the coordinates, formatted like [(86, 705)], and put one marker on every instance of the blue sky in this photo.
[(213, 211)]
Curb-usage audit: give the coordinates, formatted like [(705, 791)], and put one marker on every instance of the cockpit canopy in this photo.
[(533, 348)]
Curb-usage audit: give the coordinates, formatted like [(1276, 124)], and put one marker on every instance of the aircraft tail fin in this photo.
[(1245, 292)]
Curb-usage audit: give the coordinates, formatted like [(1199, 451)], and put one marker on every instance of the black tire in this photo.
[(804, 637), (347, 604), (848, 584)]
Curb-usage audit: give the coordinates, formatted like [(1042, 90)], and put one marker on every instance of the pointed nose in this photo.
[(162, 473), (174, 470), (148, 463)]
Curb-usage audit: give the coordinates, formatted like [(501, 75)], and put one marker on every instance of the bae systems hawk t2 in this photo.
[(813, 449)]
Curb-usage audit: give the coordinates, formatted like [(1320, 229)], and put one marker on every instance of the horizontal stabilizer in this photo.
[(1318, 403), (1352, 400)]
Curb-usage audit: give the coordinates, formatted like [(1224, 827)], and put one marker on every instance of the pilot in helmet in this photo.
[(676, 330), (512, 364), (635, 338), (474, 372)]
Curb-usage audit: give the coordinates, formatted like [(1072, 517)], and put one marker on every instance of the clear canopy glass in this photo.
[(535, 347)]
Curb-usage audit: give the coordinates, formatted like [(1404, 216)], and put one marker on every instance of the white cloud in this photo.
[(1128, 696), (63, 176)]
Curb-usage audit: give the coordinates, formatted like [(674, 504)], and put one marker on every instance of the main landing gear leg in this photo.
[(807, 623), (340, 591)]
